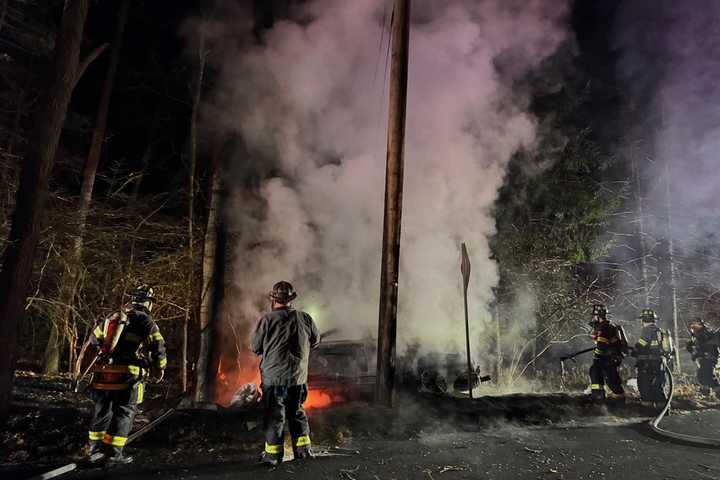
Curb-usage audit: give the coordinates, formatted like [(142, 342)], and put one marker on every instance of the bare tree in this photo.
[(210, 282), (197, 96), (73, 268), (32, 191)]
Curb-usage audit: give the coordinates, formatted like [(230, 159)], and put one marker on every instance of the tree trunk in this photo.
[(70, 280), (644, 296), (32, 191), (668, 293), (210, 284), (191, 207)]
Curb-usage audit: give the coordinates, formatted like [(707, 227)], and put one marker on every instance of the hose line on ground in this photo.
[(654, 424)]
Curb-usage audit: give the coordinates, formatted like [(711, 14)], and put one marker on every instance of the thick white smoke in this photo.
[(310, 106)]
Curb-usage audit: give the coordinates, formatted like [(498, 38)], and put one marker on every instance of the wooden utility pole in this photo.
[(465, 270), (389, 275)]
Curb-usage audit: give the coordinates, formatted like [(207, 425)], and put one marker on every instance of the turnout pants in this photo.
[(281, 403), (113, 415), (604, 370), (706, 372), (651, 381)]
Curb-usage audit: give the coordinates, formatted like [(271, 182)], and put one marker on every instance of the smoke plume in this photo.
[(669, 63), (309, 103)]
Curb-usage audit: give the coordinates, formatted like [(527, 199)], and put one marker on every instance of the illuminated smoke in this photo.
[(307, 189)]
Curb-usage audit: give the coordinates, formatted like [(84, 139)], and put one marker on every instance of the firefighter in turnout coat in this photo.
[(117, 384), (704, 347), (610, 344), (283, 338), (651, 351)]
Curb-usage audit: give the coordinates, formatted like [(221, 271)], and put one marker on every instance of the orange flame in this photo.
[(230, 378), (320, 399)]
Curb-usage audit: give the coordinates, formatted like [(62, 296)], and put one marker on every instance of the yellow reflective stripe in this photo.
[(140, 393), (642, 342), (98, 332), (163, 362), (96, 436), (303, 441), (654, 343), (114, 440), (601, 340), (273, 449), (596, 386), (155, 337), (134, 369)]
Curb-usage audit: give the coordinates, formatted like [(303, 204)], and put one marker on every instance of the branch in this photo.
[(88, 60)]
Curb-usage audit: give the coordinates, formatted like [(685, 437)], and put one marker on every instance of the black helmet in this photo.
[(697, 326), (283, 293), (143, 293), (648, 315), (600, 310)]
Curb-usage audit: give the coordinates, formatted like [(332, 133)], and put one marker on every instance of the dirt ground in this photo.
[(533, 436)]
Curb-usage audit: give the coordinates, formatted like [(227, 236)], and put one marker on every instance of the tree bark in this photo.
[(210, 283), (644, 296), (668, 292), (32, 192), (190, 299), (70, 280)]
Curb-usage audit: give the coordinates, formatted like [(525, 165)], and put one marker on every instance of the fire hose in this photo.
[(655, 423), (134, 436)]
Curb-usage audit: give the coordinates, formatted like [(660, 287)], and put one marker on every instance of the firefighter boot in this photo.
[(597, 393), (117, 458), (271, 459), (301, 453), (95, 453)]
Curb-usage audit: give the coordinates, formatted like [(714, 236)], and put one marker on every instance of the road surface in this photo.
[(603, 448)]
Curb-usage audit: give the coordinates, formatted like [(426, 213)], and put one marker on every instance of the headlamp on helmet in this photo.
[(648, 315)]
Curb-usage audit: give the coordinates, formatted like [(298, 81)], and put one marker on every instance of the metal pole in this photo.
[(465, 270), (387, 322)]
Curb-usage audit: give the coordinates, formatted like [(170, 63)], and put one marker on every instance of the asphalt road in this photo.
[(605, 448)]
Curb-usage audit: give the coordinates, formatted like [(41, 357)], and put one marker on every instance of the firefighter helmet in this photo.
[(648, 315), (697, 326), (283, 293), (143, 296), (599, 310)]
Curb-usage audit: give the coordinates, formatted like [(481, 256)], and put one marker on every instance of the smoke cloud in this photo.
[(670, 62), (306, 193)]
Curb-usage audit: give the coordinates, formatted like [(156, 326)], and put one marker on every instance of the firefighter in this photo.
[(704, 347), (283, 338), (610, 345), (652, 351), (117, 384)]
